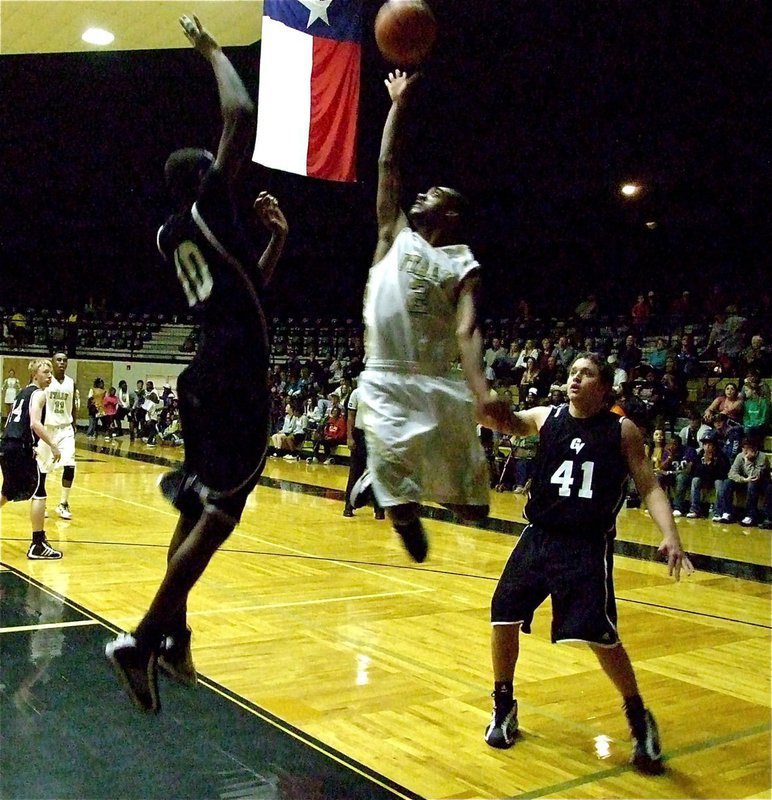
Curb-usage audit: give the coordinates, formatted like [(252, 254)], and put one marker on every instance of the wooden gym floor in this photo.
[(334, 667)]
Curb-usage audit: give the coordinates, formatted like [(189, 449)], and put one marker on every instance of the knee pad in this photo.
[(68, 474)]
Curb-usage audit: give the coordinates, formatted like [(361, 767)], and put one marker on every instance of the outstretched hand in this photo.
[(268, 212), (198, 36), (677, 559), (398, 84)]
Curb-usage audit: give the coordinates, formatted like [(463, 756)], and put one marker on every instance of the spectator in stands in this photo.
[(342, 392), (620, 376), (529, 350), (335, 372), (334, 433), (731, 346), (639, 316), (757, 415), (657, 358), (709, 471), (495, 352), (289, 439), (754, 379), (152, 406), (564, 352), (669, 468), (630, 357), (11, 387), (688, 358), (756, 357), (545, 353), (505, 369), (729, 402), (528, 380), (316, 370), (730, 436), (749, 468)]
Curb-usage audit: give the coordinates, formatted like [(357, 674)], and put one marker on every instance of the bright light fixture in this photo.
[(630, 189), (651, 225), (97, 36)]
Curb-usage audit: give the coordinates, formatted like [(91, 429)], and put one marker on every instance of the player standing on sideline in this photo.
[(22, 478), (220, 273), (62, 399), (420, 312), (585, 455)]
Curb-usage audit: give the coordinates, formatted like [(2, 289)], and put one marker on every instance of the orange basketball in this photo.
[(405, 31)]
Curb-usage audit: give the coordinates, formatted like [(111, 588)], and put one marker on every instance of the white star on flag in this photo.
[(317, 10)]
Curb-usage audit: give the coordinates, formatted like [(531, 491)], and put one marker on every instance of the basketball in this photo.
[(405, 31)]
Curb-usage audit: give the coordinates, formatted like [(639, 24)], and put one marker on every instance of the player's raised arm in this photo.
[(391, 218), (236, 106), (656, 501), (268, 212)]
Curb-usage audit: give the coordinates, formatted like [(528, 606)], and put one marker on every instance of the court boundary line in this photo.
[(266, 716), (48, 626), (745, 570)]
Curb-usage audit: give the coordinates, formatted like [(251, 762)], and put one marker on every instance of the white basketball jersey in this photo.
[(410, 305), (59, 399)]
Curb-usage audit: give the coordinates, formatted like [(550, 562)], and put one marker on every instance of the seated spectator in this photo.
[(333, 434), (549, 375), (750, 468), (730, 436), (658, 356), (753, 378), (335, 372), (290, 438), (688, 358), (564, 352), (545, 353), (656, 450), (681, 309), (757, 415), (342, 392), (630, 357), (491, 355), (756, 357), (691, 435), (674, 473), (529, 351), (709, 471), (620, 376), (528, 379), (504, 369), (729, 403)]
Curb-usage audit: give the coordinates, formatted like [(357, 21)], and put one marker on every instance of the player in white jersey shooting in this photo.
[(62, 404), (420, 314)]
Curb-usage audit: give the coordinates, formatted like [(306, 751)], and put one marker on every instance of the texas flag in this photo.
[(308, 101)]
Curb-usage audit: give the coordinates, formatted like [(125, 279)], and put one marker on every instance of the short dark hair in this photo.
[(605, 370), (183, 170)]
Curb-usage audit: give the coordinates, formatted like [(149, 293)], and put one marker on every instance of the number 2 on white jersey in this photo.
[(563, 476)]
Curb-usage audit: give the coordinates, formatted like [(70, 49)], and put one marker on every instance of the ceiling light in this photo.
[(97, 36), (630, 189)]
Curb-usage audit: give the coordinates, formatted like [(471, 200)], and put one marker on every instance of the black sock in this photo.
[(634, 710), (148, 636), (503, 694), (38, 537)]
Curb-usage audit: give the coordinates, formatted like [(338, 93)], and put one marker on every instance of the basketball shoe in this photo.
[(502, 728), (63, 510), (41, 550), (647, 755), (137, 671), (176, 660)]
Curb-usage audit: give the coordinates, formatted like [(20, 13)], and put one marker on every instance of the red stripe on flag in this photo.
[(334, 110)]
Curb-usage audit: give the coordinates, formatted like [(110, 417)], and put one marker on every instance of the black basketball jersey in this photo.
[(579, 473), (17, 426), (216, 266)]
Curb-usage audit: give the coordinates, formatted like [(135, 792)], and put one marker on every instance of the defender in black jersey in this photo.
[(221, 275), (584, 458), (22, 478)]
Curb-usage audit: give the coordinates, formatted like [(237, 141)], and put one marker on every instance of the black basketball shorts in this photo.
[(20, 472), (575, 571)]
